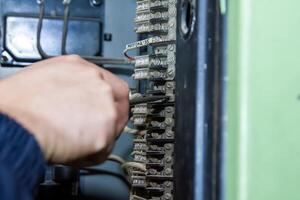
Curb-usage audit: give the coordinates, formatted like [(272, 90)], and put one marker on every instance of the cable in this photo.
[(134, 95), (39, 29), (65, 26), (94, 59), (130, 130), (134, 166), (93, 171), (143, 43), (130, 58), (127, 165), (116, 158), (135, 197), (128, 168), (146, 99)]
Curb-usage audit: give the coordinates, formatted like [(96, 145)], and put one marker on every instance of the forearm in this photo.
[(21, 160)]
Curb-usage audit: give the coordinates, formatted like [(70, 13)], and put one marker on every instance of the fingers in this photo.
[(120, 89)]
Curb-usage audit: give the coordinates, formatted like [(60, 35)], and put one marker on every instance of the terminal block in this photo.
[(155, 147)]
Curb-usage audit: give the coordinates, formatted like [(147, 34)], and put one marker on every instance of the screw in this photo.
[(168, 146), (152, 171), (171, 47), (169, 85), (168, 196), (96, 2), (168, 159), (169, 134), (168, 121), (4, 59), (155, 135), (168, 171), (171, 73), (169, 109), (168, 183)]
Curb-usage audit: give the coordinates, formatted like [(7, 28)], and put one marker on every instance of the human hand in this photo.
[(74, 108)]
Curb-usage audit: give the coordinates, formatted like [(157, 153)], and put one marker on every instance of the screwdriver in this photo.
[(107, 61), (148, 99)]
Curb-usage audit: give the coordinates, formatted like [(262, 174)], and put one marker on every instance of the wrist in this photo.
[(11, 106)]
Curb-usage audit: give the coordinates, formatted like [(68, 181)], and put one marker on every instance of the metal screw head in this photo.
[(152, 171), (169, 134), (168, 171), (169, 85), (171, 73), (66, 2), (168, 196), (40, 1), (96, 2), (168, 159), (169, 109), (168, 121), (168, 183), (6, 57), (155, 135), (168, 146)]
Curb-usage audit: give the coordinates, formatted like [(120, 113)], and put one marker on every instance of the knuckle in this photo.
[(100, 144), (107, 88), (74, 58), (126, 89), (112, 115)]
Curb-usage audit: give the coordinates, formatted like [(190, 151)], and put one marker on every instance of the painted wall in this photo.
[(263, 104)]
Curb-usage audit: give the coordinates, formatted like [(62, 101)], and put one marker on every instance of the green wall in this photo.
[(263, 101)]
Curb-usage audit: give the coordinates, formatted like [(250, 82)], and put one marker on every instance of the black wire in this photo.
[(148, 99), (91, 171), (39, 30), (65, 29)]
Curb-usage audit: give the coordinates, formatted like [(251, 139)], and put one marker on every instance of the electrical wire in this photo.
[(116, 158), (135, 197), (130, 58), (92, 171), (147, 99), (130, 130), (94, 59), (126, 165), (134, 95), (65, 27), (129, 166), (39, 29), (142, 43)]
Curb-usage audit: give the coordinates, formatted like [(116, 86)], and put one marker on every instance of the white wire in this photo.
[(135, 95), (116, 158), (65, 2), (129, 166), (135, 197), (130, 130)]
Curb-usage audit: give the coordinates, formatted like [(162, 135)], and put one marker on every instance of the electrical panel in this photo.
[(174, 71)]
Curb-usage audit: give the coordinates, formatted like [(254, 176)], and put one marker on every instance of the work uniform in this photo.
[(22, 164)]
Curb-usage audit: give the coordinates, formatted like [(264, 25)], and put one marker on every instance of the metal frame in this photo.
[(199, 100)]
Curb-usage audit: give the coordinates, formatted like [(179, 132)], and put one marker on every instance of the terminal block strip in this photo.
[(154, 144)]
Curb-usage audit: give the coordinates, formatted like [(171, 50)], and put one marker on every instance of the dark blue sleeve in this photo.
[(21, 161)]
